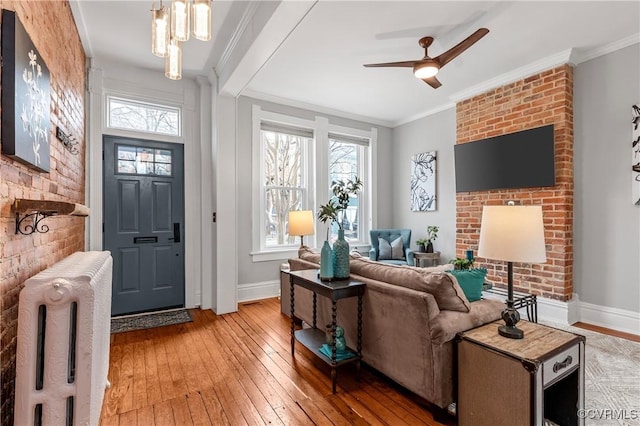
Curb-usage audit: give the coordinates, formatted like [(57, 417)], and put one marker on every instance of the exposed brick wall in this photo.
[(52, 29), (538, 100)]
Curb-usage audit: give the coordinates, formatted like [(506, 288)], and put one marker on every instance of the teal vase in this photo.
[(341, 257), (326, 262)]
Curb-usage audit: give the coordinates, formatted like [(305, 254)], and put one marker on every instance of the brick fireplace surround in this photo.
[(53, 31), (538, 100)]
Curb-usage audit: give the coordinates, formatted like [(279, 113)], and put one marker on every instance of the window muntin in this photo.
[(143, 161), (284, 184), (145, 117)]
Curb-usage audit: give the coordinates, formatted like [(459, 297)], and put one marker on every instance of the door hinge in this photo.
[(214, 217), (103, 227), (103, 155)]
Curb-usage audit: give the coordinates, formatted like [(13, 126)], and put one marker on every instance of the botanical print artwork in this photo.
[(635, 154), (26, 122), (423, 182), (34, 105)]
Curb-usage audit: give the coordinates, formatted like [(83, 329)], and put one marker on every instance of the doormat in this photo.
[(140, 322)]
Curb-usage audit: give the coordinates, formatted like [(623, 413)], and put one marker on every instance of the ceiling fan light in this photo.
[(173, 61), (202, 19), (426, 69), (159, 31), (180, 20)]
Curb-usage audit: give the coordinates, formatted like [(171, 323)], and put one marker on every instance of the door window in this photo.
[(136, 160)]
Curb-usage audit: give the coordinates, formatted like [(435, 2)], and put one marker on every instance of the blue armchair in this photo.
[(391, 235)]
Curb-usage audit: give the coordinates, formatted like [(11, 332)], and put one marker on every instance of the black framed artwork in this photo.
[(26, 97)]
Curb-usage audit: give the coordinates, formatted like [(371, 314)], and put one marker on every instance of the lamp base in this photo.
[(511, 332), (511, 318)]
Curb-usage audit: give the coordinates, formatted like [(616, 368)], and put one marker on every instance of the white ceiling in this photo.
[(320, 62)]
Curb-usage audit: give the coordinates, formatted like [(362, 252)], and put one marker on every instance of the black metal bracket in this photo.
[(68, 141), (32, 222)]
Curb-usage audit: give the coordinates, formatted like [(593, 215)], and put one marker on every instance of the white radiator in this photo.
[(62, 358)]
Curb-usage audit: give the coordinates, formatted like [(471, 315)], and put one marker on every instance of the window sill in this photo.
[(268, 256)]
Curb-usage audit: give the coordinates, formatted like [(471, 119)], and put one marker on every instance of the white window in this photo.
[(347, 160), (294, 162), (284, 179), (128, 114)]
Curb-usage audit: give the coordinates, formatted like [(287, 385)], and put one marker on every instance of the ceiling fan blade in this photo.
[(456, 50), (394, 64), (432, 81)]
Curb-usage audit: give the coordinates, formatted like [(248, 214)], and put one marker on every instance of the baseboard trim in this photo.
[(574, 310), (259, 290), (613, 318)]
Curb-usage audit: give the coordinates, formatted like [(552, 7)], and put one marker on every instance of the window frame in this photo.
[(260, 251), (141, 102)]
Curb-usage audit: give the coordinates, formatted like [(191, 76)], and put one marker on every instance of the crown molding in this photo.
[(535, 67), (607, 48), (235, 38), (424, 114), (315, 108)]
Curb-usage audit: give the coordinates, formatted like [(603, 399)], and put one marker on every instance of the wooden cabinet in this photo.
[(515, 382)]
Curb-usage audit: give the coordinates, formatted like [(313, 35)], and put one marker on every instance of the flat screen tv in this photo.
[(523, 159)]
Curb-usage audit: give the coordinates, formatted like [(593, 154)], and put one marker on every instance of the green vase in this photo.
[(341, 257), (326, 262)]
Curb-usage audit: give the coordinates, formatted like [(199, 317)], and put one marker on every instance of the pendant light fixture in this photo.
[(172, 26), (159, 31), (202, 19), (180, 15), (173, 61)]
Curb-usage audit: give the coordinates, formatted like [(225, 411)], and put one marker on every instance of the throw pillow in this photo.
[(384, 249), (397, 249), (470, 281)]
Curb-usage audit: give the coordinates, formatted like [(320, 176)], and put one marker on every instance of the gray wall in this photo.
[(435, 132), (607, 224), (254, 272)]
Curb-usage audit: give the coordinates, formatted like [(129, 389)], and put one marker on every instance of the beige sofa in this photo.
[(410, 318)]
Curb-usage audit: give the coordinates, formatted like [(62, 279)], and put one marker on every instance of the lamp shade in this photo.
[(300, 222), (512, 234)]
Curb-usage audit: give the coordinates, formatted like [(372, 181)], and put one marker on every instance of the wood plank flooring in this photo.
[(237, 369)]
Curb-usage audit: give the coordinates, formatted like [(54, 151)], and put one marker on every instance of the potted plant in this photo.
[(422, 242), (333, 212), (432, 235), (462, 263)]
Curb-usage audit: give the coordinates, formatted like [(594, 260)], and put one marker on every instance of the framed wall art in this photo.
[(635, 154), (26, 121), (423, 182)]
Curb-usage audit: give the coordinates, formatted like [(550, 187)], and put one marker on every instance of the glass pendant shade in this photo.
[(202, 19), (180, 20), (173, 61), (159, 31)]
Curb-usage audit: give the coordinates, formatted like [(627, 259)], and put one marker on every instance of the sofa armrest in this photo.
[(373, 255), (410, 258)]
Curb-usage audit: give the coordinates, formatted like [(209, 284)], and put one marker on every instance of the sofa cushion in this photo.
[(471, 282), (443, 287)]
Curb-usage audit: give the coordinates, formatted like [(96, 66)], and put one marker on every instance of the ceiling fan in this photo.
[(427, 68)]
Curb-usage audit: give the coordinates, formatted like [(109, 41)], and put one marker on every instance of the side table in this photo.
[(526, 381), (313, 338), (433, 258)]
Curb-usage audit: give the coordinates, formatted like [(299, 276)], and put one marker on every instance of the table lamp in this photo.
[(300, 224), (513, 234)]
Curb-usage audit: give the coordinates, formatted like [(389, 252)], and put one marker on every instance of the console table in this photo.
[(503, 381), (313, 338)]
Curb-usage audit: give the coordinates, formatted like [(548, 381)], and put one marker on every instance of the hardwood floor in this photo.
[(237, 369), (603, 330)]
